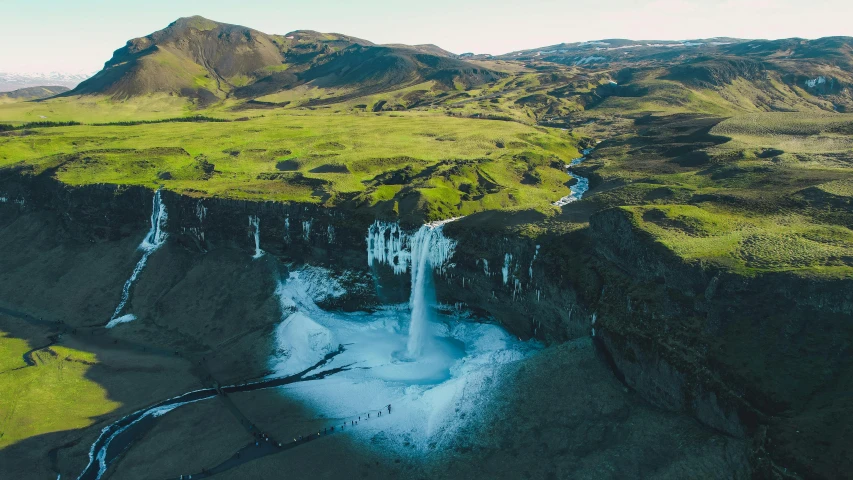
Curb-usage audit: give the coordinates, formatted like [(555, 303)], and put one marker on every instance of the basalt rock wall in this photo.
[(764, 357)]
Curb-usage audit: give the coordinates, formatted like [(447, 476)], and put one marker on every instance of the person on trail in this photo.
[(389, 408), (368, 415), (380, 413)]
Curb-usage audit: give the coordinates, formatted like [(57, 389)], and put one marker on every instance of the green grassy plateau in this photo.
[(726, 152), (452, 166)]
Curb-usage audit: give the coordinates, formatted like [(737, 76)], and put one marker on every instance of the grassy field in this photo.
[(749, 243), (94, 109), (426, 152), (449, 165), (53, 395), (752, 193)]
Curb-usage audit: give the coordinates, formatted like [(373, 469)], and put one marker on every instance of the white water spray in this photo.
[(154, 240), (255, 223)]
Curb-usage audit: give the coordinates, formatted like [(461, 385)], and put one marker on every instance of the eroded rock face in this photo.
[(752, 356), (764, 358)]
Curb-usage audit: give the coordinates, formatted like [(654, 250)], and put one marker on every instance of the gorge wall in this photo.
[(767, 358)]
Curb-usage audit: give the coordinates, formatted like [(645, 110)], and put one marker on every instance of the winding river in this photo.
[(580, 187)]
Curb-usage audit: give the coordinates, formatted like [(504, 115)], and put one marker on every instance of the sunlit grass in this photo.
[(748, 243), (54, 395), (333, 154)]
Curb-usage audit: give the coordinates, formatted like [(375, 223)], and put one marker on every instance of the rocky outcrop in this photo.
[(750, 356)]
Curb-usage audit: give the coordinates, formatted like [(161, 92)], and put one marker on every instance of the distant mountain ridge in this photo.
[(206, 60), (32, 93), (10, 81), (209, 62), (821, 67)]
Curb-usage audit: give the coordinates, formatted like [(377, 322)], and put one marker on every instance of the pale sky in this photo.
[(80, 35)]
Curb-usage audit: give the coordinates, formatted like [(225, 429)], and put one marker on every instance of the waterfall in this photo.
[(155, 238), (430, 249), (505, 269), (427, 250), (306, 230), (287, 229), (255, 223), (157, 234)]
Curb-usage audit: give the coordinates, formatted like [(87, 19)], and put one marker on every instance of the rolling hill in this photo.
[(32, 93), (771, 75)]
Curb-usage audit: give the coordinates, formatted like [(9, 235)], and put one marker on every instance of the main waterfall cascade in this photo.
[(427, 250), (155, 239)]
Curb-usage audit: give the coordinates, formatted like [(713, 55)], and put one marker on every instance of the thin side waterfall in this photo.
[(422, 253), (255, 223), (154, 240)]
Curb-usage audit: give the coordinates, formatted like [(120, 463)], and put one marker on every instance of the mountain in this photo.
[(368, 69), (13, 81), (192, 57), (207, 60), (32, 93)]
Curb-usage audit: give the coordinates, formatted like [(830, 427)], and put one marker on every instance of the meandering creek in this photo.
[(580, 187)]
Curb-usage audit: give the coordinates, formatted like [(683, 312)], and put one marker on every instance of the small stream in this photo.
[(118, 436), (580, 187)]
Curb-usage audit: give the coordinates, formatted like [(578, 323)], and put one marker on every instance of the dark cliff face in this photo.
[(92, 214), (767, 358), (535, 287), (762, 356)]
